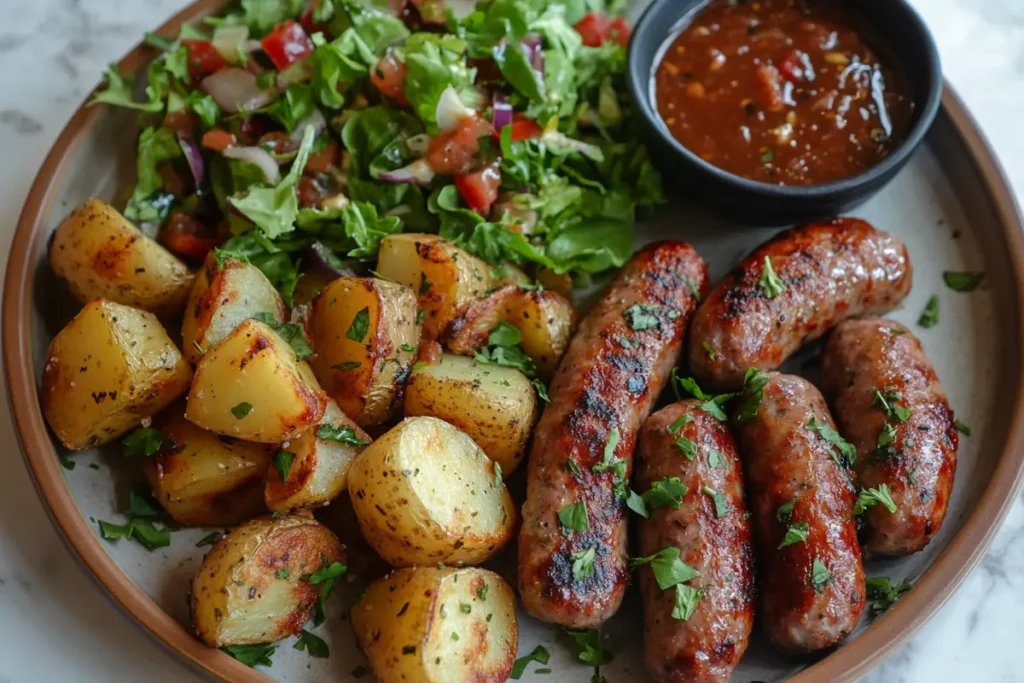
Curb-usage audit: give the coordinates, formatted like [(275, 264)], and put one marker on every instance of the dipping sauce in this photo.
[(781, 91)]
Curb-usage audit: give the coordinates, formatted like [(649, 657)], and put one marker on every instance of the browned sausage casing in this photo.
[(708, 645), (787, 460), (614, 369), (830, 271), (865, 356)]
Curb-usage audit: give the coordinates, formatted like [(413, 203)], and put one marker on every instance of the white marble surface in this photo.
[(56, 625)]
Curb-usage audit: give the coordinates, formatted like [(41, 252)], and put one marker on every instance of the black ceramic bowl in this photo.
[(899, 33)]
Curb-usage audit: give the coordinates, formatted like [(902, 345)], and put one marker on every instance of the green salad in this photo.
[(299, 134)]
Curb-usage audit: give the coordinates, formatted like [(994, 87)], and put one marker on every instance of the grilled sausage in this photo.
[(811, 590), (828, 271), (614, 369), (711, 642), (873, 373)]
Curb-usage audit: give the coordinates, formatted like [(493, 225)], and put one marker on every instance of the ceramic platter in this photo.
[(952, 207)]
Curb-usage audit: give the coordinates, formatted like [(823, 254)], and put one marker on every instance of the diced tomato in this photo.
[(480, 189), (324, 160), (429, 352), (218, 140), (619, 31), (174, 182), (593, 28), (286, 44), (181, 120), (524, 128), (389, 77), (455, 151), (187, 237), (203, 58)]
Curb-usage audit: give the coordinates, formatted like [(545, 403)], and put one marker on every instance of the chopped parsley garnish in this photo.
[(687, 598), (573, 468), (668, 569), (282, 462), (716, 459), (710, 351), (642, 317), (870, 497), (241, 410), (667, 492), (883, 593), (290, 332), (574, 517), (886, 439), (425, 284), (688, 447), (67, 463), (887, 403), (718, 497), (844, 452), (408, 348), (251, 655), (325, 578), (753, 392), (360, 325), (539, 655), (282, 573), (962, 428), (616, 465), (145, 442), (348, 365), (820, 575), (784, 513), (796, 533), (582, 564), (930, 314), (141, 530), (712, 405), (767, 157), (962, 281), (770, 282), (420, 315), (503, 350), (346, 435), (313, 644), (497, 475), (590, 651)]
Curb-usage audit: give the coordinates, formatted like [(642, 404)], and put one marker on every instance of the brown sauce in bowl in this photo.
[(781, 91)]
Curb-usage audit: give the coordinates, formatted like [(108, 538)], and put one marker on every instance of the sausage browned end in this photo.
[(614, 369), (707, 646), (863, 357), (786, 459), (830, 271)]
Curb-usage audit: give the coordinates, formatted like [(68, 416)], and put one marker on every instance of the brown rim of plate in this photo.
[(847, 663)]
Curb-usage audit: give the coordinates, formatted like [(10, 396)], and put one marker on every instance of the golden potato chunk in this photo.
[(494, 406), (254, 584), (425, 493), (443, 276), (321, 457), (224, 295), (101, 254), (365, 334), (109, 368), (251, 386), (438, 626)]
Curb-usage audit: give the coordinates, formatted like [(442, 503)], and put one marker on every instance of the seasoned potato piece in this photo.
[(365, 335), (251, 386), (424, 493), (434, 625), (101, 254), (111, 367), (205, 479), (494, 406), (319, 468), (253, 586), (442, 275), (223, 296), (545, 319)]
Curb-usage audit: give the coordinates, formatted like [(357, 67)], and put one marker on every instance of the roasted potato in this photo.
[(545, 319), (424, 493), (101, 254), (251, 386), (365, 335), (109, 368), (205, 479), (433, 625), (224, 295), (444, 277), (319, 468), (494, 406), (253, 586)]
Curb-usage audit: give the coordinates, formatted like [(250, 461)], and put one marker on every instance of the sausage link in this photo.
[(812, 590), (865, 359), (707, 646), (614, 369), (829, 271)]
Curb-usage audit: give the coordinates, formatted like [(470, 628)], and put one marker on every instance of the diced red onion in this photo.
[(258, 156), (320, 258), (418, 172), (451, 110), (419, 144), (227, 38), (533, 42), (236, 90), (502, 111), (193, 156)]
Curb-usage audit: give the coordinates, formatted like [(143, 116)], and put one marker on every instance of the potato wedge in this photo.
[(253, 586), (101, 254), (424, 493), (365, 335), (438, 626), (494, 406), (109, 368), (319, 469), (545, 319), (205, 479), (443, 276), (224, 295), (251, 386)]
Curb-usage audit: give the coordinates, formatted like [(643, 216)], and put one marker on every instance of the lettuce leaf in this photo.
[(433, 63), (156, 145)]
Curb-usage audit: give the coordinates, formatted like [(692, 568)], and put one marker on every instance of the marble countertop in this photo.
[(56, 625)]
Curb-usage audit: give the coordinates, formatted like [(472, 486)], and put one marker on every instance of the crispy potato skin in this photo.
[(253, 586), (222, 297), (494, 406), (546, 320), (255, 365), (109, 368), (405, 624), (371, 392), (425, 493), (319, 471), (101, 254), (207, 480)]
